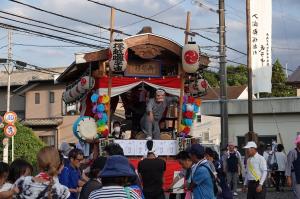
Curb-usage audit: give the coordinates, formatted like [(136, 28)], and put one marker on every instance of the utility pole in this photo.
[(9, 69), (249, 64), (223, 75)]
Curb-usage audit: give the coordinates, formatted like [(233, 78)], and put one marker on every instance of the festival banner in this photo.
[(261, 34)]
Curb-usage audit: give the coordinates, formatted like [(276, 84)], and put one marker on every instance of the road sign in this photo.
[(10, 130), (10, 117)]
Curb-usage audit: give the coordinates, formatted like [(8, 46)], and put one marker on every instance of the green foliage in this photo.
[(26, 144), (279, 86), (237, 75), (212, 78)]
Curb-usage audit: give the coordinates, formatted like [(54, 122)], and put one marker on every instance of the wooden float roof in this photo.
[(136, 40)]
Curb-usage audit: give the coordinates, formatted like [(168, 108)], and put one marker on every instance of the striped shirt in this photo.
[(115, 192)]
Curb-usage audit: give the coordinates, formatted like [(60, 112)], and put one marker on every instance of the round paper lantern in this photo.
[(86, 83), (118, 55), (188, 122), (100, 108), (202, 85), (189, 107), (94, 98), (190, 57)]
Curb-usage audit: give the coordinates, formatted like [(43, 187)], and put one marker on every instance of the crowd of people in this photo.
[(67, 174)]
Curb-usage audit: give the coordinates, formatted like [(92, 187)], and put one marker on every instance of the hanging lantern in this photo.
[(118, 55), (190, 57), (202, 85)]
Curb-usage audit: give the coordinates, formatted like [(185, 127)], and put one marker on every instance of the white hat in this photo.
[(250, 145)]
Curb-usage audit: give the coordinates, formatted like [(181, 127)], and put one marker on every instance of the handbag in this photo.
[(274, 165)]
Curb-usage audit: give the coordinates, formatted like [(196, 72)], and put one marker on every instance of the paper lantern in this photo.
[(188, 122), (100, 108), (191, 100), (202, 85), (189, 107), (198, 102), (94, 110), (189, 114), (94, 98), (118, 55), (190, 57)]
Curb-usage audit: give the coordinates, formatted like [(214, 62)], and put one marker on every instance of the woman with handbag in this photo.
[(278, 162)]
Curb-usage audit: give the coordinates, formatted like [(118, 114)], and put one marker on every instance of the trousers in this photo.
[(296, 187), (252, 194), (232, 178), (151, 129)]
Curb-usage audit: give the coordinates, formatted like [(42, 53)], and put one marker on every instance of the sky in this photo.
[(285, 27)]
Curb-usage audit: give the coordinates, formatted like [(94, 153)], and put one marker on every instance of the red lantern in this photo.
[(118, 55), (202, 85), (190, 57)]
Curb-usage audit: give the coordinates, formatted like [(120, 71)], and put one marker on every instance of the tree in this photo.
[(26, 144), (237, 75), (279, 86), (212, 78)]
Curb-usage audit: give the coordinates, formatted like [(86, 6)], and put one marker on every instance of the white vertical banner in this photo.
[(261, 34)]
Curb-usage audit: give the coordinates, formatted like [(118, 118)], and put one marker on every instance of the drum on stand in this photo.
[(140, 135), (165, 136)]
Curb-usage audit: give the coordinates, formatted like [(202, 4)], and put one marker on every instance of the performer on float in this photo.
[(154, 112)]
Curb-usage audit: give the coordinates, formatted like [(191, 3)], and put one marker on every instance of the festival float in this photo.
[(127, 73)]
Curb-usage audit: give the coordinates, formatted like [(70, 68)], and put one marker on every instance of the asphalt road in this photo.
[(272, 194)]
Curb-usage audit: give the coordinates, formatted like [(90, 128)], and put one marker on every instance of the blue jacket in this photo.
[(203, 184), (70, 177)]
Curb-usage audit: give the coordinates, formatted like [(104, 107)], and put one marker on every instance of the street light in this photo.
[(9, 70)]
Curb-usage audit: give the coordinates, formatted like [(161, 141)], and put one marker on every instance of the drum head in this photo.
[(165, 136), (85, 128), (140, 136)]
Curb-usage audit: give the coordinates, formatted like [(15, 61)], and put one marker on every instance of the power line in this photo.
[(160, 12), (66, 17), (3, 46), (8, 26), (205, 6), (38, 26), (46, 46), (46, 23), (286, 48)]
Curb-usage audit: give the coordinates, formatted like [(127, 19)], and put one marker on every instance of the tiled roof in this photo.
[(19, 77), (43, 122), (233, 92)]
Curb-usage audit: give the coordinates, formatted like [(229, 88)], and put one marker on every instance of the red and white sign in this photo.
[(10, 117), (10, 130)]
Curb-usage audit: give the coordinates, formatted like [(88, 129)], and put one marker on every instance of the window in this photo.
[(48, 140), (51, 97), (37, 98), (199, 118)]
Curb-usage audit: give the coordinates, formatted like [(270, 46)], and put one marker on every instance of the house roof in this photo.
[(21, 77), (233, 92), (43, 122), (294, 78)]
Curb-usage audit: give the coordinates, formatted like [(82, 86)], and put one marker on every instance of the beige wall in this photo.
[(298, 92), (65, 131), (17, 103), (45, 109)]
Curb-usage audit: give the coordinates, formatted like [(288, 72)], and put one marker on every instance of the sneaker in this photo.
[(235, 194)]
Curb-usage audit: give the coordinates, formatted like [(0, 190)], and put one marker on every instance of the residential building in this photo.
[(294, 80), (37, 100), (274, 119)]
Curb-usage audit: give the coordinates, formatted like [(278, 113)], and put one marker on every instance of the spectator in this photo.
[(94, 181), (118, 132), (256, 173), (202, 176), (116, 149), (280, 158), (6, 191), (114, 178), (209, 156), (151, 170), (45, 184), (186, 163), (292, 170), (71, 175), (232, 167), (17, 169), (65, 149)]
